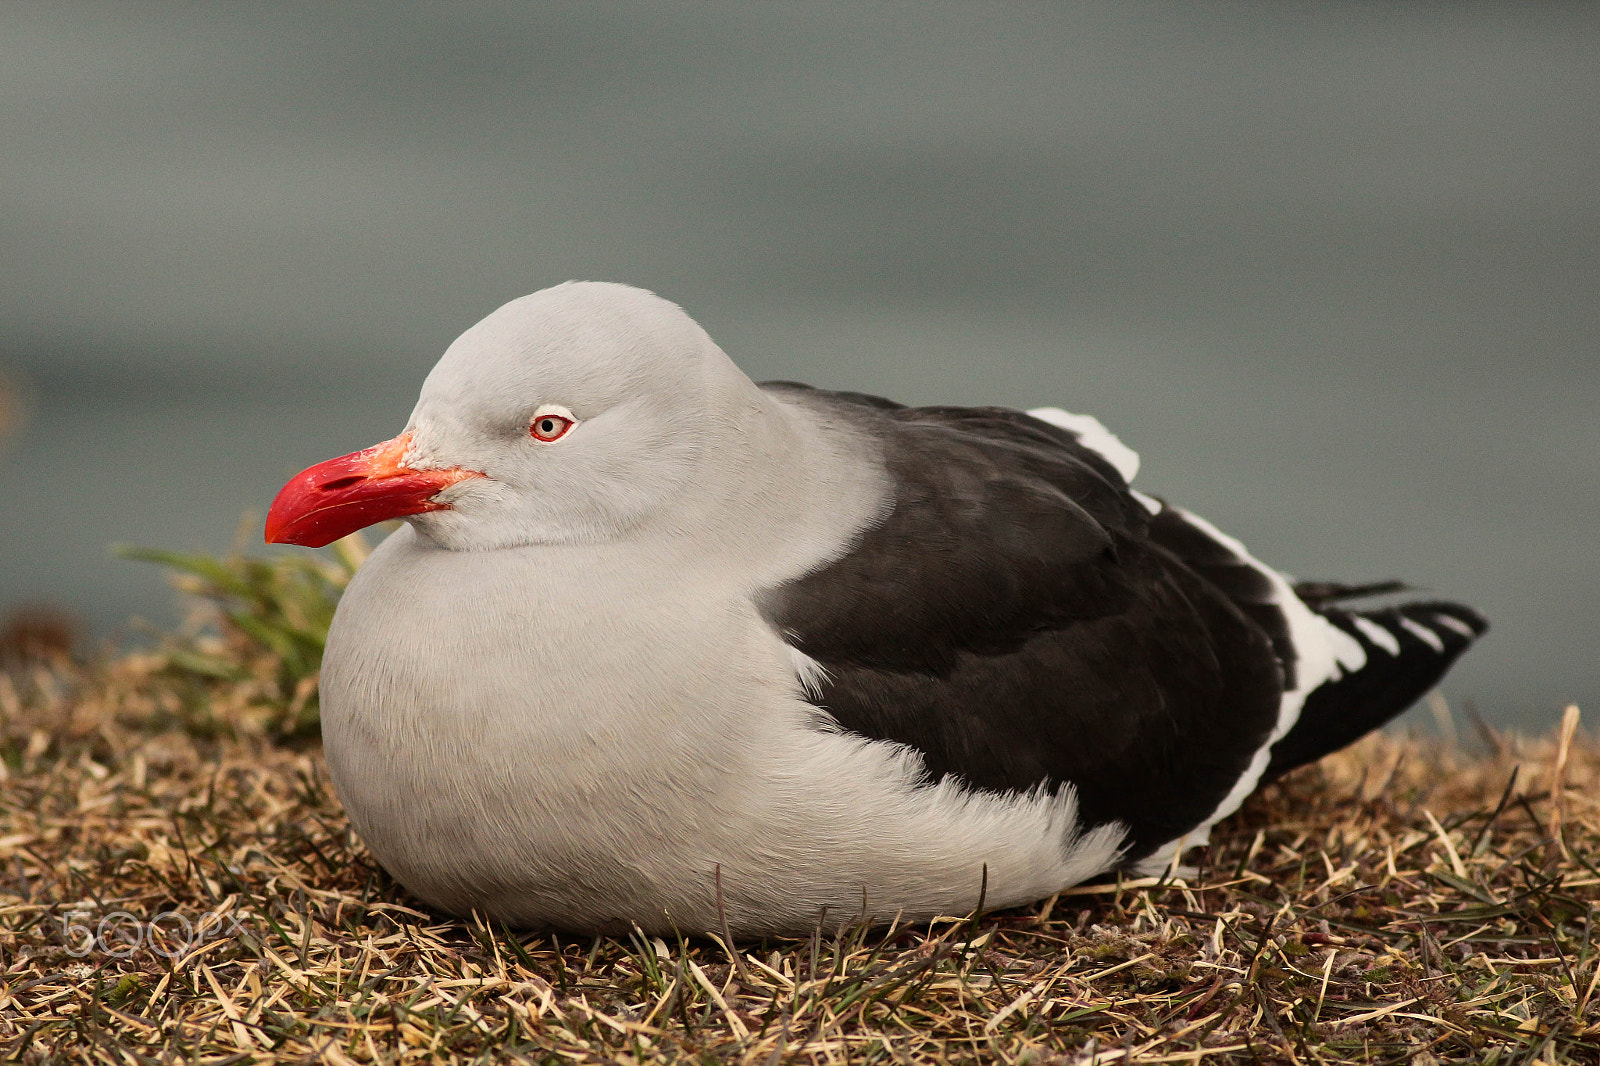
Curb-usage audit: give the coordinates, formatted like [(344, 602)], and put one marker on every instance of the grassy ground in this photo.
[(178, 883)]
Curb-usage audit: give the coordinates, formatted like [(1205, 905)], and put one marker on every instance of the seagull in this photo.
[(657, 647)]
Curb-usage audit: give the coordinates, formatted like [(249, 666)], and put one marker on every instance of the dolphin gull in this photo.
[(659, 646)]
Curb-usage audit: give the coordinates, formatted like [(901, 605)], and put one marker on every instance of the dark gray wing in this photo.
[(1011, 619)]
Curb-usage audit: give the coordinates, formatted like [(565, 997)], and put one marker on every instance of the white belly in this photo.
[(561, 755)]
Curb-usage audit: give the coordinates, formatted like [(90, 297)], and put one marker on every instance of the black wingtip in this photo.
[(1408, 647), (1463, 614)]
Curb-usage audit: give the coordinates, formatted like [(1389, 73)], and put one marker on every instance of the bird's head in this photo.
[(568, 416)]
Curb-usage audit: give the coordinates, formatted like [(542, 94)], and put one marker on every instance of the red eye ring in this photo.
[(550, 428)]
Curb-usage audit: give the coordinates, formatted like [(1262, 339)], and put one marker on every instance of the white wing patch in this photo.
[(1424, 634), (1093, 434), (1457, 625), (1377, 634), (1348, 653)]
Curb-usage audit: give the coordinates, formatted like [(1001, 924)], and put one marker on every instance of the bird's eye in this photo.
[(549, 426)]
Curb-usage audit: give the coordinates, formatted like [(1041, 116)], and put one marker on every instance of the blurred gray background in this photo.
[(1332, 268)]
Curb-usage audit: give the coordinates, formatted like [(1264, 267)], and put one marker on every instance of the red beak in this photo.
[(334, 499)]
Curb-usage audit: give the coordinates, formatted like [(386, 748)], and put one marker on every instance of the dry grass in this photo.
[(1401, 901)]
